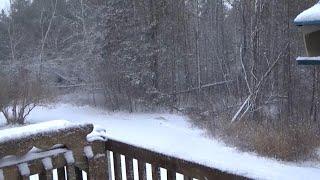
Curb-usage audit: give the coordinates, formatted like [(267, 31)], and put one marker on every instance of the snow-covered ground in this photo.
[(171, 134)]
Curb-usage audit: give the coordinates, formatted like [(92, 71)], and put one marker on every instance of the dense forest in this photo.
[(228, 64)]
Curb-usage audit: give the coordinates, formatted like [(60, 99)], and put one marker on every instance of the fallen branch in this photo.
[(247, 103), (203, 87)]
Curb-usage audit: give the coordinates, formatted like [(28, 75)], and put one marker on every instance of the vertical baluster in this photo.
[(98, 168), (129, 168), (74, 173), (156, 174), (171, 175), (142, 170), (117, 166), (187, 178), (71, 174), (24, 177), (47, 175), (78, 173), (61, 173)]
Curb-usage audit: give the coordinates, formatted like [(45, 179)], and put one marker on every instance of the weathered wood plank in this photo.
[(129, 168), (117, 166), (171, 175), (11, 173), (61, 173), (78, 173), (24, 178), (98, 168), (142, 171), (73, 173), (156, 174), (47, 175)]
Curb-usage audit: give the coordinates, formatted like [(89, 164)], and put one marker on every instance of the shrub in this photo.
[(20, 93)]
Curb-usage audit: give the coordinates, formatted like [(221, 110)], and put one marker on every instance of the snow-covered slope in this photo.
[(172, 135)]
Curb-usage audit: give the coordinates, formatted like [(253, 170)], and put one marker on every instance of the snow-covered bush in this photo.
[(20, 93)]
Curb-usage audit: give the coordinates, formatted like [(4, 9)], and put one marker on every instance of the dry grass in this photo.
[(288, 141), (281, 140)]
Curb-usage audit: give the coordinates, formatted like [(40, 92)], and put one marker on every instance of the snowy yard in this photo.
[(172, 135)]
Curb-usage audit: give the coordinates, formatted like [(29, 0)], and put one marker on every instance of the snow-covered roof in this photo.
[(310, 16)]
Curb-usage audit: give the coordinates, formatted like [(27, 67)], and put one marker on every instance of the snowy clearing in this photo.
[(172, 135)]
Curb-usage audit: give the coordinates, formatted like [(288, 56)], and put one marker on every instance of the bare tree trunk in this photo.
[(44, 39)]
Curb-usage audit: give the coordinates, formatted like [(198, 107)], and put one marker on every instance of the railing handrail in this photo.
[(187, 168)]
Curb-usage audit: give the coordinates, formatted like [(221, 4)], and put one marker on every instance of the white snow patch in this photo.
[(47, 163), (68, 156), (98, 134), (88, 152), (308, 16), (24, 169), (1, 175)]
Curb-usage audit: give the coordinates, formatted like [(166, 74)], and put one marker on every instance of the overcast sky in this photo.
[(4, 4)]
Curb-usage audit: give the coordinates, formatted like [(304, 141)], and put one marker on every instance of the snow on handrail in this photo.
[(34, 129)]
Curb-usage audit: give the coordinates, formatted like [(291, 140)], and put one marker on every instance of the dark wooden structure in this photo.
[(69, 152)]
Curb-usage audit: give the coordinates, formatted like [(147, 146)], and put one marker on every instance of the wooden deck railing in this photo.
[(75, 155), (173, 165)]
